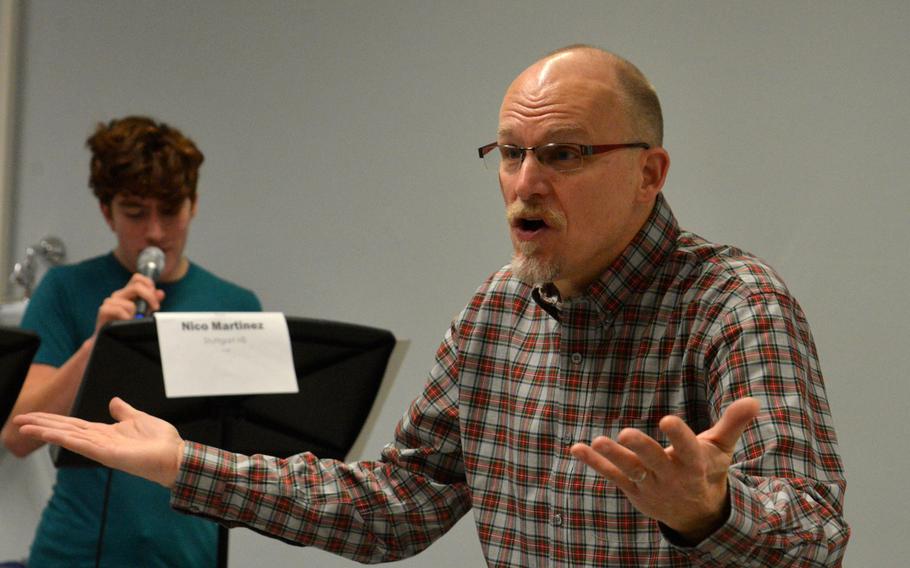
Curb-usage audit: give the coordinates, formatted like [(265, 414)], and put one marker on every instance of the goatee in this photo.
[(530, 269)]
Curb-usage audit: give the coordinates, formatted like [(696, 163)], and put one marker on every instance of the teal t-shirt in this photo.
[(140, 527)]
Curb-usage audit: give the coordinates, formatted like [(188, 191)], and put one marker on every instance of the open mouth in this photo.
[(533, 221), (531, 224)]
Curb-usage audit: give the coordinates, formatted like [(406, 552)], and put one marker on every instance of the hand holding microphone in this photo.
[(133, 300), (151, 264)]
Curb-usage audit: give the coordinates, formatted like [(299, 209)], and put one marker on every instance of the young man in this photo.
[(144, 174), (688, 365)]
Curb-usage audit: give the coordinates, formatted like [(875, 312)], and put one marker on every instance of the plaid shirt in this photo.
[(676, 325)]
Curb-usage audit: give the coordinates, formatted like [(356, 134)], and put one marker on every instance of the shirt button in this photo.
[(566, 440), (576, 358), (556, 520)]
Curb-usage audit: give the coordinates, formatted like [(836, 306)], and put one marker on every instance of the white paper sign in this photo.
[(225, 353)]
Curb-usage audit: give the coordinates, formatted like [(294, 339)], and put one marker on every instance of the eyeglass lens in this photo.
[(560, 157)]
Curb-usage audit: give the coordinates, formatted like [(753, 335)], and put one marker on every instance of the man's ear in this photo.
[(108, 214), (193, 206), (655, 162)]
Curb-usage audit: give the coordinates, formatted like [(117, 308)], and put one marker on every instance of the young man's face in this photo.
[(140, 222)]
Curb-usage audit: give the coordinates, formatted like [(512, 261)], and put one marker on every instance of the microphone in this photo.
[(150, 263)]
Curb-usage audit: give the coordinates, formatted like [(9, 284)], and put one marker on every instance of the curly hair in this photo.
[(139, 156)]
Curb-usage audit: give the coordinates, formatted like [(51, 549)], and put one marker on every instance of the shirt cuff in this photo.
[(203, 473), (732, 543)]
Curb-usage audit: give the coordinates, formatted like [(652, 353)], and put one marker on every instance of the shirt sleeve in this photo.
[(47, 315), (249, 301), (787, 481), (371, 511)]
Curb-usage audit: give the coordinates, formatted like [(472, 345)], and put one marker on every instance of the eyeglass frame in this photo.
[(586, 150)]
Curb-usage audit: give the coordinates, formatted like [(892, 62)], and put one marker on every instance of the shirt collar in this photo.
[(631, 272)]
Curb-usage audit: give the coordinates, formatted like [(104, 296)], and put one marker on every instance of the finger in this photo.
[(118, 302), (596, 461), (728, 430), (116, 309), (625, 460), (648, 451), (29, 418), (137, 283), (149, 294), (593, 459), (140, 286), (121, 410), (47, 431), (50, 420), (90, 446), (141, 280), (685, 447)]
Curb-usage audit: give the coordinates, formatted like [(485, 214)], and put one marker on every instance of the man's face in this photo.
[(590, 215), (140, 222)]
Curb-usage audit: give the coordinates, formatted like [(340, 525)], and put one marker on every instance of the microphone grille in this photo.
[(150, 262)]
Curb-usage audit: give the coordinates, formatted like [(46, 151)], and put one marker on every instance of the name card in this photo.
[(225, 353)]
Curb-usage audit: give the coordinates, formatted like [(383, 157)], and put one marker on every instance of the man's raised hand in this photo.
[(684, 486)]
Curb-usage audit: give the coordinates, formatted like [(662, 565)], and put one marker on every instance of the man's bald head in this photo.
[(597, 65), (589, 97)]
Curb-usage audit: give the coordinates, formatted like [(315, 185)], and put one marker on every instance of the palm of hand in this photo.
[(137, 443), (142, 445)]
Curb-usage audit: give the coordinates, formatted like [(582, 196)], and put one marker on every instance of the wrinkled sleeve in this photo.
[(787, 481), (371, 511)]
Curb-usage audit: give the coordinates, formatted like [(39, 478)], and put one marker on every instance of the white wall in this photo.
[(341, 181)]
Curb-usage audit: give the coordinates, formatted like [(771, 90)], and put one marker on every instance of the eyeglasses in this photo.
[(556, 156)]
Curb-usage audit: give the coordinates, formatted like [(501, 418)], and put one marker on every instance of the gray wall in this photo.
[(341, 180)]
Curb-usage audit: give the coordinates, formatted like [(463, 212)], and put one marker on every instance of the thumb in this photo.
[(727, 431), (120, 410)]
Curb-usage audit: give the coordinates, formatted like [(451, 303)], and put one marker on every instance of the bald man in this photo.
[(623, 393)]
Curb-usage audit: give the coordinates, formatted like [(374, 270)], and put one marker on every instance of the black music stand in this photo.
[(339, 369), (17, 348)]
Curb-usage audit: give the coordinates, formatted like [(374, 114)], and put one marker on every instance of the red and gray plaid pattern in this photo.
[(677, 325)]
